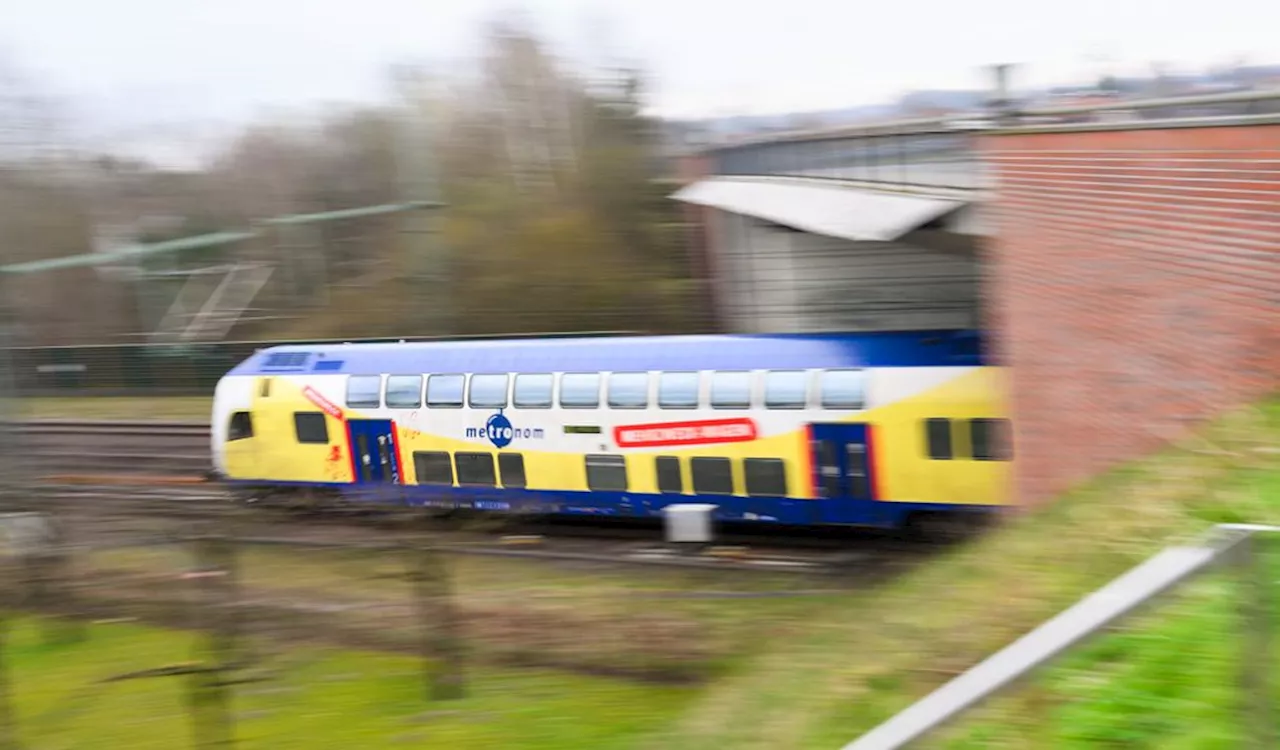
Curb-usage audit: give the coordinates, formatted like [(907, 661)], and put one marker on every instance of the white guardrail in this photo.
[(1167, 570)]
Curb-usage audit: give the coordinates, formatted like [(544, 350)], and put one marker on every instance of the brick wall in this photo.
[(1135, 285)]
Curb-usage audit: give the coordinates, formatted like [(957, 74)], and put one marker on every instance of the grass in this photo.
[(175, 408), (313, 698), (1168, 680), (857, 661), (819, 673), (653, 623)]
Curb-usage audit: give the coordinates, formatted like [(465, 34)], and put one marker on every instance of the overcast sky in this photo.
[(137, 65)]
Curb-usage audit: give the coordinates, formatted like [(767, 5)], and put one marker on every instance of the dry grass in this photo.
[(863, 659), (172, 408), (513, 612)]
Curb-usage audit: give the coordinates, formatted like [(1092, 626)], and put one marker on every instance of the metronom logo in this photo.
[(499, 431)]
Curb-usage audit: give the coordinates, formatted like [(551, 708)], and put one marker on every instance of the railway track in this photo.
[(165, 449)]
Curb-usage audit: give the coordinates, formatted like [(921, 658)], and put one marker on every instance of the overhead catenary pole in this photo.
[(428, 263)]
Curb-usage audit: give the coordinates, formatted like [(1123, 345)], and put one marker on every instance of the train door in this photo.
[(842, 464), (373, 448)]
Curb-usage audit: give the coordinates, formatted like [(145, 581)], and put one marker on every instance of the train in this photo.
[(879, 429)]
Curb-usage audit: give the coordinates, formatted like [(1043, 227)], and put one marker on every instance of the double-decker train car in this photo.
[(868, 429)]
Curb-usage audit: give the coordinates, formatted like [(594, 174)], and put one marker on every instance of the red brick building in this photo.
[(1133, 285), (1125, 257)]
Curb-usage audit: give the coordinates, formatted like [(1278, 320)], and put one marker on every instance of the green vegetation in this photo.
[(862, 659), (674, 626), (311, 698), (817, 671), (1169, 680), (182, 409)]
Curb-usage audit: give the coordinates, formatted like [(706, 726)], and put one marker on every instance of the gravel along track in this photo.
[(110, 516), (162, 449)]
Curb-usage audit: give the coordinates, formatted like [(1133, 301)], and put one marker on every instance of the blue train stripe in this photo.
[(779, 510), (615, 354)]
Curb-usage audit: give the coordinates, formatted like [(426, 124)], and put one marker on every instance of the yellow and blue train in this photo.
[(869, 429)]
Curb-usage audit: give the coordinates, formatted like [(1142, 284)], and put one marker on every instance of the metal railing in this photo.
[(1169, 569)]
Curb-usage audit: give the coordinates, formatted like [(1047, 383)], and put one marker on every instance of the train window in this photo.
[(670, 477), (765, 477), (511, 468), (730, 390), (488, 392), (678, 390), (711, 476), (364, 391), (579, 390), (938, 438), (433, 467), (533, 391), (844, 389), (606, 473), (628, 390), (444, 391), (310, 427), (990, 439), (786, 389), (404, 391), (241, 426), (475, 469)]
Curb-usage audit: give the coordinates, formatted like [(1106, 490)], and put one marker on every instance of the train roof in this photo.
[(931, 348)]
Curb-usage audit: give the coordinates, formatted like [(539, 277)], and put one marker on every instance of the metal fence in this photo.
[(1160, 574)]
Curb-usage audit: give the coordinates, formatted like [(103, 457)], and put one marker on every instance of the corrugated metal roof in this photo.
[(821, 207)]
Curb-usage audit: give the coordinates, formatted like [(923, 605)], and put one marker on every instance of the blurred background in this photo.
[(1091, 186)]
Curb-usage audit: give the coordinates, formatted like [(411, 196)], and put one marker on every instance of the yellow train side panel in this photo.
[(905, 471), (902, 467)]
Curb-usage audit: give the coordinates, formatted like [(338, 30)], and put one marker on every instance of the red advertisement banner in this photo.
[(685, 433), (325, 404)]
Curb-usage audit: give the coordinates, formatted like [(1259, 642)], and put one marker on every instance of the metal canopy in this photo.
[(821, 206)]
